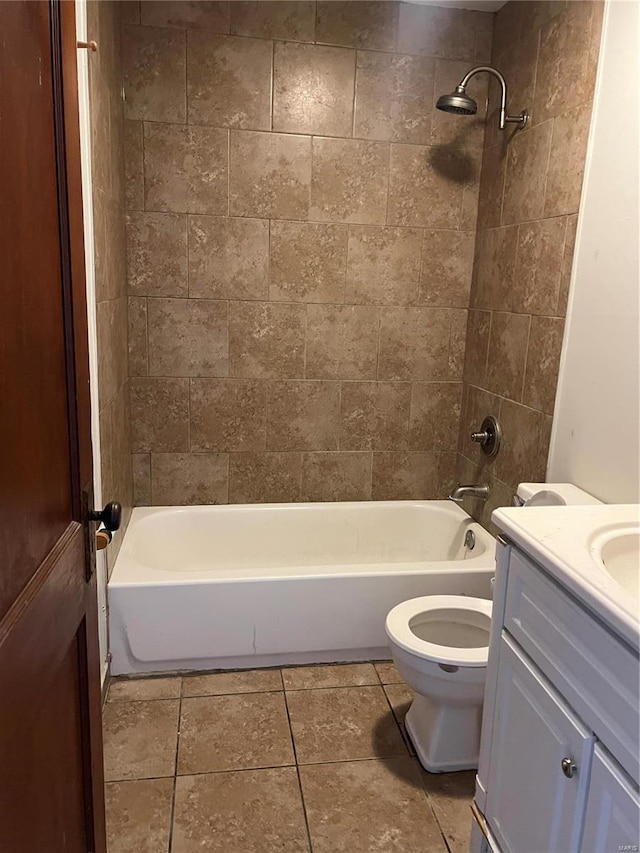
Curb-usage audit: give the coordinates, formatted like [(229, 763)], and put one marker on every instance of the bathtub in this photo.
[(225, 587)]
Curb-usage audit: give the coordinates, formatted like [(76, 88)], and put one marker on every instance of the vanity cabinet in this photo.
[(558, 763)]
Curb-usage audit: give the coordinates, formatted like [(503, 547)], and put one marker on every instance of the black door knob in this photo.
[(110, 516)]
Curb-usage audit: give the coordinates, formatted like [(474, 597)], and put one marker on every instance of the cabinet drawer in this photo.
[(596, 674)]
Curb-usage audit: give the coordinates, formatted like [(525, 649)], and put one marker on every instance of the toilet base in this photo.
[(445, 737)]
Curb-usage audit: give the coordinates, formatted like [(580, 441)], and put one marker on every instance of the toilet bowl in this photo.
[(440, 645)]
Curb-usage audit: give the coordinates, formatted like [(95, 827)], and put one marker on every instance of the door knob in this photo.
[(568, 767), (110, 516)]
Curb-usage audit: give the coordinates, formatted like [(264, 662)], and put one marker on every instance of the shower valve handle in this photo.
[(481, 437)]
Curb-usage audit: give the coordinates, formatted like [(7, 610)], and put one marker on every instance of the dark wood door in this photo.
[(51, 779)]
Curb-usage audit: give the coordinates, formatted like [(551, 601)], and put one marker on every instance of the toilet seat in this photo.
[(400, 619)]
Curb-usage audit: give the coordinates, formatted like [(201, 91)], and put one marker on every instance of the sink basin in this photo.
[(618, 552)]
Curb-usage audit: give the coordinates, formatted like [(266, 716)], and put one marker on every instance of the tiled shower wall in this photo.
[(301, 227), (529, 198), (105, 70)]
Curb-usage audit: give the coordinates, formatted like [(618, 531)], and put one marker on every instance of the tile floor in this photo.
[(297, 760)]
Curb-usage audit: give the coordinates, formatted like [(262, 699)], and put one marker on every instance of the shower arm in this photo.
[(521, 119)]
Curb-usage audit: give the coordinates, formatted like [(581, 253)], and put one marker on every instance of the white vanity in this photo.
[(559, 767)]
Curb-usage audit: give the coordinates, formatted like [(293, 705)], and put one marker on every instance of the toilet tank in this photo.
[(554, 494)]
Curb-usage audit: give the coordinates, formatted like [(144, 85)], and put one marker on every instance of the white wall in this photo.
[(596, 435), (89, 251)]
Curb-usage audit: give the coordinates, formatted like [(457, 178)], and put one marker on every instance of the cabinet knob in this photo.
[(568, 768)]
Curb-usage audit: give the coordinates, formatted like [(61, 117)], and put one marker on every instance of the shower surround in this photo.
[(301, 226), (302, 247)]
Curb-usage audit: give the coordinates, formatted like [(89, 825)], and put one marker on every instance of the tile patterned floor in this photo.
[(298, 760)]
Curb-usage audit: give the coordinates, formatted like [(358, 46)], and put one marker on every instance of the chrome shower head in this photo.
[(460, 103), (457, 102)]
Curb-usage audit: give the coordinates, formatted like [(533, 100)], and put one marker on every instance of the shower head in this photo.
[(457, 102), (460, 103)]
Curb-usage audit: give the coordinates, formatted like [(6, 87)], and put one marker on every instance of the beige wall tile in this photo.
[(374, 415), (188, 337), (394, 99), (133, 165), (264, 478), (507, 353), (527, 160), (159, 414), (336, 477), (185, 168), (447, 474), (477, 347), (280, 19), (349, 181), (157, 254), (539, 266), (227, 414), (435, 414), (414, 343), (269, 175), (566, 165), (141, 465), (303, 415), (228, 257), (308, 262), (494, 161), (477, 404), (138, 342), (436, 31), (313, 89), (154, 70), (189, 479), (196, 14), (229, 81), (266, 340), (111, 326), (364, 24), (565, 76), (384, 265), (494, 269), (567, 262), (115, 462), (426, 186), (526, 433), (447, 266), (400, 476), (130, 12), (110, 247), (457, 342), (342, 342), (543, 362), (518, 61)]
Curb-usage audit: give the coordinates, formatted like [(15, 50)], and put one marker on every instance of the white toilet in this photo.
[(440, 645)]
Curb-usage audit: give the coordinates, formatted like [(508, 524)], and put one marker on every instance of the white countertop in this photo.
[(561, 540)]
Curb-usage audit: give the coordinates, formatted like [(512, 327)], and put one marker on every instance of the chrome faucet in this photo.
[(461, 492)]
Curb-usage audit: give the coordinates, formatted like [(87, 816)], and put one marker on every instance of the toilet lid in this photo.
[(452, 629)]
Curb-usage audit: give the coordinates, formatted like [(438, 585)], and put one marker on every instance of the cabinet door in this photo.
[(533, 805), (613, 809)]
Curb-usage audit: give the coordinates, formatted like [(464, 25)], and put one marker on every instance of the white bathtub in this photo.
[(221, 587)]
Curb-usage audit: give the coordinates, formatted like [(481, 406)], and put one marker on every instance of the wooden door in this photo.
[(51, 779)]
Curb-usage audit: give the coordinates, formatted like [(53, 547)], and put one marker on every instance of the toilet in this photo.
[(440, 645)]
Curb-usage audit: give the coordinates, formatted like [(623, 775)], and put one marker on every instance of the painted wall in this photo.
[(596, 438), (301, 224), (529, 199)]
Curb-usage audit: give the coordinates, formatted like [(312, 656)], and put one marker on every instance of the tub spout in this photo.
[(461, 492)]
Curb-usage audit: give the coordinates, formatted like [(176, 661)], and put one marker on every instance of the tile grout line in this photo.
[(297, 766), (175, 774)]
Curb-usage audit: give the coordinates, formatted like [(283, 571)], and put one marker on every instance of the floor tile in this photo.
[(400, 697), (342, 724), (130, 689), (450, 795), (344, 675), (363, 806), (221, 683), (140, 739), (139, 815), (388, 673), (234, 733), (251, 811)]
